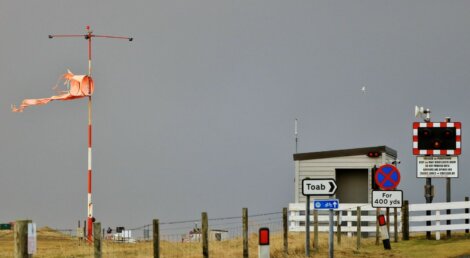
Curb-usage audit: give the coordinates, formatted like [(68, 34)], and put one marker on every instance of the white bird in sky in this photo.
[(363, 89)]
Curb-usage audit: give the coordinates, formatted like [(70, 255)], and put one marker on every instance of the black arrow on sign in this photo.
[(332, 187)]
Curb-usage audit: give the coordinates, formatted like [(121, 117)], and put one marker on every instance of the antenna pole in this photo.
[(89, 34), (296, 136)]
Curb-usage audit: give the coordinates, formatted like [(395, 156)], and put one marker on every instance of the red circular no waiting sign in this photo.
[(387, 177)]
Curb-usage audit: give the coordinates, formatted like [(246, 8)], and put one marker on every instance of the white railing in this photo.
[(438, 217), (348, 217)]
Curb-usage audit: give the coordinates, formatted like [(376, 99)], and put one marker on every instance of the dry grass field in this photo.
[(55, 244)]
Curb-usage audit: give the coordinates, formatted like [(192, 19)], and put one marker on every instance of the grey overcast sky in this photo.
[(197, 114)]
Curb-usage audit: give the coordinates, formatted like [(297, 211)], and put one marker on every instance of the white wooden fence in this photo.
[(439, 217), (348, 217)]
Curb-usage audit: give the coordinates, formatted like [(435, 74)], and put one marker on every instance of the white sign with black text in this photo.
[(437, 166), (387, 199)]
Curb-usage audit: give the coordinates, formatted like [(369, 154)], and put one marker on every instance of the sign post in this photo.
[(307, 227), (331, 204), (315, 187)]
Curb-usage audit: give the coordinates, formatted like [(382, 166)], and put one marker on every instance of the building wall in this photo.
[(326, 168)]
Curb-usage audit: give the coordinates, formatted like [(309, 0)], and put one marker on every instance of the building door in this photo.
[(353, 185)]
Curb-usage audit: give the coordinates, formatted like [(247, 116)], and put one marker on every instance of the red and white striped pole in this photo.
[(88, 37), (90, 204)]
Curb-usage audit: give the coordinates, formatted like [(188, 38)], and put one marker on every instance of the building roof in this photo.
[(346, 152)]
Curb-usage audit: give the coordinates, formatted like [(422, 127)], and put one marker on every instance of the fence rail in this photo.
[(459, 217), (348, 218)]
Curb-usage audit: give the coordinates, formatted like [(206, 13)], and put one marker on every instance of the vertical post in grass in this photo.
[(307, 226), (405, 224), (156, 239), (205, 240), (387, 215), (97, 239), (21, 239), (467, 211), (338, 227), (315, 231), (358, 214), (285, 231), (377, 232), (395, 224), (245, 232)]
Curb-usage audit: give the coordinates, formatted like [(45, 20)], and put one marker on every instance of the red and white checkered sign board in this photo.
[(458, 133)]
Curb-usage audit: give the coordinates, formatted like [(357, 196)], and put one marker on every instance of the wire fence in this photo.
[(178, 239)]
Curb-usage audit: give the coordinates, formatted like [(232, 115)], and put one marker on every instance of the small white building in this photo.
[(351, 168)]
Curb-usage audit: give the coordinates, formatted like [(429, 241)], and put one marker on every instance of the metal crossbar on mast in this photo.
[(88, 36)]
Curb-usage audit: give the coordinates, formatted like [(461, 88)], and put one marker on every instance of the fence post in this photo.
[(156, 238), (387, 215), (377, 232), (205, 242), (21, 239), (395, 224), (245, 232), (286, 232), (349, 223), (405, 224), (97, 238), (338, 227), (84, 230), (315, 231), (438, 223), (358, 215), (467, 211)]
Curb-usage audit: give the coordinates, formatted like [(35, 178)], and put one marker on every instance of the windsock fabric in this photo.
[(80, 86)]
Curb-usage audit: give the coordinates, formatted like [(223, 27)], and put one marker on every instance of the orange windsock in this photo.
[(79, 86)]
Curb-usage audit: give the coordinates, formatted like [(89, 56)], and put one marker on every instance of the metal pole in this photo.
[(330, 236), (90, 204), (429, 196), (89, 34), (307, 227), (448, 197), (315, 231), (296, 136), (448, 193)]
